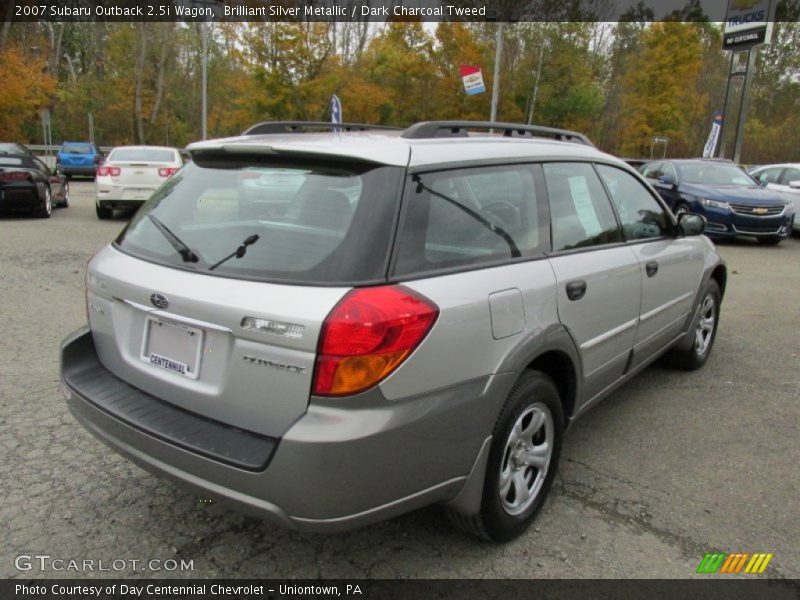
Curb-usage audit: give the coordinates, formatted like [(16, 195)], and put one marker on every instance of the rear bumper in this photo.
[(19, 196), (344, 464), (78, 169), (119, 203)]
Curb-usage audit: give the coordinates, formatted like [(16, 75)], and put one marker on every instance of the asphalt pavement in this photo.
[(670, 467)]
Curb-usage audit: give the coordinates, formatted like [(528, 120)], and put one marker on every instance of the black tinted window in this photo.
[(640, 214), (470, 216), (579, 209), (315, 224)]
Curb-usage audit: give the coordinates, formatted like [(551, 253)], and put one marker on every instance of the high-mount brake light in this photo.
[(367, 335)]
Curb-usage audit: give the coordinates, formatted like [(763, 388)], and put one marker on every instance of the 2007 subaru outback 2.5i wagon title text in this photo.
[(331, 328)]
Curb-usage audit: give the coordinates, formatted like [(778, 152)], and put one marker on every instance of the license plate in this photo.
[(172, 346)]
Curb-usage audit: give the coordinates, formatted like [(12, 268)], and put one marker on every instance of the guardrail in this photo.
[(44, 148)]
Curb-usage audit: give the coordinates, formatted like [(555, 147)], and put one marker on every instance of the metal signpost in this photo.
[(748, 24)]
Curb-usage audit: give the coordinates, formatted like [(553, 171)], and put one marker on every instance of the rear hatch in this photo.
[(76, 155), (233, 334)]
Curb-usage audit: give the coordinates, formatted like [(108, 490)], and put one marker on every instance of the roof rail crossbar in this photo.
[(433, 129), (271, 127)]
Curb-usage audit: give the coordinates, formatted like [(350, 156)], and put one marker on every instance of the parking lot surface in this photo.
[(672, 466)]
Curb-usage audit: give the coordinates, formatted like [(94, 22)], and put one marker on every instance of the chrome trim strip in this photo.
[(609, 334), (173, 317), (663, 307)]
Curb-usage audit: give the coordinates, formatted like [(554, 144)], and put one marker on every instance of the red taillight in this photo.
[(367, 335), (108, 171), (14, 176), (166, 171)]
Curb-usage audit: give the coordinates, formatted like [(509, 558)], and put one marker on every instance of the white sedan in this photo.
[(130, 174), (783, 178)]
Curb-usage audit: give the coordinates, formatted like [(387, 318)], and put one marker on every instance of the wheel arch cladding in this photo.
[(720, 275), (559, 367)]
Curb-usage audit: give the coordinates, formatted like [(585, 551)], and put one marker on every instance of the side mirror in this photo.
[(691, 224), (667, 180), (795, 185)]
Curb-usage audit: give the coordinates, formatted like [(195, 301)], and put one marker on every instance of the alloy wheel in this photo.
[(526, 458)]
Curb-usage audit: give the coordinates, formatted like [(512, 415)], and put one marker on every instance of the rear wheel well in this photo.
[(720, 275), (560, 369)]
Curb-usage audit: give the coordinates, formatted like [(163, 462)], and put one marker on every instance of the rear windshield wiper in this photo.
[(496, 229), (238, 253), (186, 253)]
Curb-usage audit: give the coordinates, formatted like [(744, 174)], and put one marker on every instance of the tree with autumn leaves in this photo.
[(619, 83)]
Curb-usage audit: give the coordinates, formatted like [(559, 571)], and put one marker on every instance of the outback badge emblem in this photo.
[(159, 301)]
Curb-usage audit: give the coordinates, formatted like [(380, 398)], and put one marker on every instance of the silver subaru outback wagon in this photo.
[(328, 328)]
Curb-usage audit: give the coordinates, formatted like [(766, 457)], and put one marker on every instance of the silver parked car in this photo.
[(328, 329), (784, 178)]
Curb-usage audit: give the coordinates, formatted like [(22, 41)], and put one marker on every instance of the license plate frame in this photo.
[(172, 346)]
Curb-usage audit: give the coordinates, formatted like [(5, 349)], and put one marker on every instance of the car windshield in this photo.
[(141, 155), (77, 149), (314, 223), (715, 174)]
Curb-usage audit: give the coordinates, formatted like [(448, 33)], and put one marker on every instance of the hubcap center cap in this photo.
[(518, 455)]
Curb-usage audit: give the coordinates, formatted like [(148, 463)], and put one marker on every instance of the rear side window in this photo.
[(471, 216), (640, 214), (580, 211), (142, 155), (315, 224), (791, 174)]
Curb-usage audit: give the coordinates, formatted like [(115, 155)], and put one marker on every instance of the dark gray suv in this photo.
[(331, 328)]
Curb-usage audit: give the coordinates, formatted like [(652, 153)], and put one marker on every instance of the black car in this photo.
[(27, 184), (733, 203)]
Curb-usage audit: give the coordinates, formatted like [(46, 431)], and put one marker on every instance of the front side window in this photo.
[(668, 169), (470, 216), (304, 222), (641, 216), (652, 171), (580, 211), (769, 175)]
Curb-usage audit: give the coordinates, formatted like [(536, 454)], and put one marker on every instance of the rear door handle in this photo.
[(576, 289), (651, 268)]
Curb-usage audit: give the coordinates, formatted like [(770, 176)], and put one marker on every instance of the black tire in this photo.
[(65, 201), (695, 356), (533, 391), (103, 212), (772, 240), (45, 205)]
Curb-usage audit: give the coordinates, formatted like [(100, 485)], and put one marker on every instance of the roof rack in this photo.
[(271, 127), (434, 129)]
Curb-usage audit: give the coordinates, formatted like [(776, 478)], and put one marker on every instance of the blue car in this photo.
[(733, 203), (78, 158)]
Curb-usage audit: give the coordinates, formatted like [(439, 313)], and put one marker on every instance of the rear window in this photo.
[(77, 149), (141, 155), (315, 224), (10, 160)]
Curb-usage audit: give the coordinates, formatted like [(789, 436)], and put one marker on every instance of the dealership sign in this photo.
[(473, 79), (748, 23)]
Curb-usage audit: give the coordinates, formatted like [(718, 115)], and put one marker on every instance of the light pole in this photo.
[(498, 57), (204, 92)]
